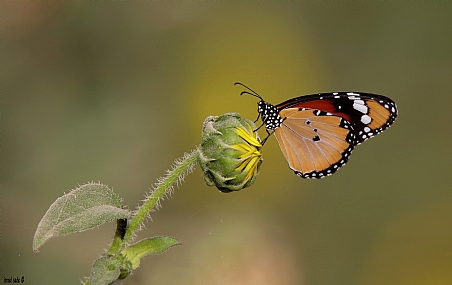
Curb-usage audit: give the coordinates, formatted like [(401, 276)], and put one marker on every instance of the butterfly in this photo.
[(317, 133)]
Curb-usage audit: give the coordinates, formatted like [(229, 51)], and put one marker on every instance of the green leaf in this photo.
[(90, 205), (154, 245), (105, 270)]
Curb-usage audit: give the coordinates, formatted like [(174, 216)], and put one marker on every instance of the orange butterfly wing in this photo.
[(318, 132), (314, 143)]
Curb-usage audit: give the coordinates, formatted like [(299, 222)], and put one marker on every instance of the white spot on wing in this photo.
[(360, 107), (365, 119), (358, 102)]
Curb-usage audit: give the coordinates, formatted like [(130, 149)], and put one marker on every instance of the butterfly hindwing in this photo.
[(314, 143)]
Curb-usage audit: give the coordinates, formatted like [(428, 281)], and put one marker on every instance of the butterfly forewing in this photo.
[(369, 114)]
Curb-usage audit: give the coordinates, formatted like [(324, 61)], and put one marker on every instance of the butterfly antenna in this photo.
[(254, 93)]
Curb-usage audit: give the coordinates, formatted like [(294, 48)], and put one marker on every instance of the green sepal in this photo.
[(154, 245)]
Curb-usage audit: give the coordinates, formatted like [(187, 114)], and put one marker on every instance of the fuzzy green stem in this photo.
[(164, 185)]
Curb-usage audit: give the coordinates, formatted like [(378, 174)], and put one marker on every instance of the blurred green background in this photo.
[(115, 91)]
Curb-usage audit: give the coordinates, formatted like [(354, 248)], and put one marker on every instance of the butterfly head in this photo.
[(269, 113)]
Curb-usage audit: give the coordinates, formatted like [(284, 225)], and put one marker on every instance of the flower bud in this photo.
[(230, 152)]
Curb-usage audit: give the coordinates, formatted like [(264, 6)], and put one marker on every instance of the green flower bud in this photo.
[(230, 152)]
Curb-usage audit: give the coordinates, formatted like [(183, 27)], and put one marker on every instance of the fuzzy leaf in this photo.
[(154, 245), (90, 205), (105, 270)]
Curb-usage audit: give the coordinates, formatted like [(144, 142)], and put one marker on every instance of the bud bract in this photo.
[(230, 152)]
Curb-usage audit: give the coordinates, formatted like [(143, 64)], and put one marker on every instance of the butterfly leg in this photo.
[(258, 128), (266, 138), (257, 119)]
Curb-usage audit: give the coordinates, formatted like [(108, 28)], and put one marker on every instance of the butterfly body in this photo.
[(317, 133)]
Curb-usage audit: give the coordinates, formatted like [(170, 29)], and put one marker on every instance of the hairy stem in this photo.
[(163, 187)]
